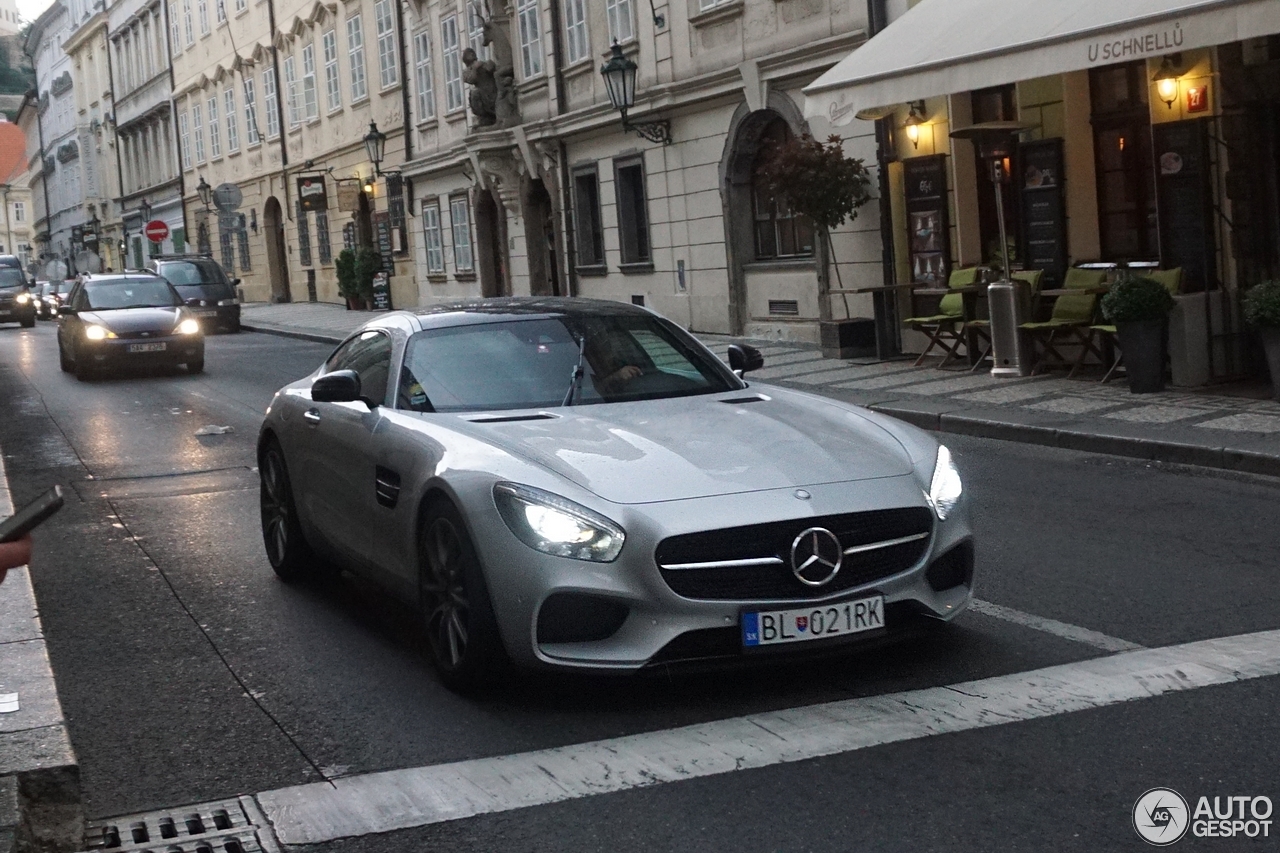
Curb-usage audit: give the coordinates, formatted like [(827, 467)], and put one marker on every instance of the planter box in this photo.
[(852, 338)]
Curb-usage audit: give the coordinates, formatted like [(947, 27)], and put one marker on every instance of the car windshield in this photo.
[(521, 364), (129, 293), (11, 278), (183, 273)]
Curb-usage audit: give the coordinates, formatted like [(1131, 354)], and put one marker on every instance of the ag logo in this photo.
[(1160, 816)]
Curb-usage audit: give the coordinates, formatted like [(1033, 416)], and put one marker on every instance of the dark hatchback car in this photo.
[(17, 302), (53, 294), (204, 286), (125, 319)]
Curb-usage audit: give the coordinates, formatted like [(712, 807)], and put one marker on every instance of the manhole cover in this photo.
[(227, 826)]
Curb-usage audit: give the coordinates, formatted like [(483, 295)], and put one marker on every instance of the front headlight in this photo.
[(225, 302), (556, 525), (97, 333), (188, 326), (24, 298), (944, 490)]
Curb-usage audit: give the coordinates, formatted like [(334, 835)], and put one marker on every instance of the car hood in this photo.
[(692, 447), (124, 320)]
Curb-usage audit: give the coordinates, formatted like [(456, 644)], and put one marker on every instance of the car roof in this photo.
[(107, 277)]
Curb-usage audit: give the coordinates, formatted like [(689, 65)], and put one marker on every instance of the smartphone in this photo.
[(30, 516)]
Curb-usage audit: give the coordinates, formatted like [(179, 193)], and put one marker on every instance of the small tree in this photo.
[(818, 181), (368, 264), (345, 266)]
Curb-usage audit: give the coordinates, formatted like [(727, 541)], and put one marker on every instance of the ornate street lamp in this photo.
[(619, 75), (1166, 80), (205, 192), (913, 122), (145, 210), (375, 145)]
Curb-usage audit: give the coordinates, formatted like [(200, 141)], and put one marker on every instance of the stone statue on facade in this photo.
[(493, 82)]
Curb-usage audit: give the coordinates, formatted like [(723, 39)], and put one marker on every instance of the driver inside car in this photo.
[(615, 360)]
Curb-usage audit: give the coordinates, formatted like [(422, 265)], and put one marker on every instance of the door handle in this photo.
[(311, 416)]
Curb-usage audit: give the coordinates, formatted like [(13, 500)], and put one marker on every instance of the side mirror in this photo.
[(66, 311), (235, 281), (341, 386), (744, 358)]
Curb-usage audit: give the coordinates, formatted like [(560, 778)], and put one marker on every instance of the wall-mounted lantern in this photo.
[(619, 75), (1166, 80), (915, 118)]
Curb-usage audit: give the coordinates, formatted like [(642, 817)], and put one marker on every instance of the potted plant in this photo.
[(345, 266), (1139, 307), (368, 264), (1262, 311)]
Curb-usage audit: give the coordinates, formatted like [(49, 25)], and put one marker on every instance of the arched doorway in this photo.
[(277, 266), (540, 238), (490, 242), (744, 214)]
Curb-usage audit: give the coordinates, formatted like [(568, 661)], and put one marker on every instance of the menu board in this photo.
[(929, 231), (381, 292), (1043, 212), (1183, 200), (382, 234)]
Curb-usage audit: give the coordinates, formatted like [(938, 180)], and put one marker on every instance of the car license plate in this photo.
[(769, 627), (156, 347)]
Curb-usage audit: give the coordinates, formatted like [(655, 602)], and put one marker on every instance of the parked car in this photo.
[(580, 484), (120, 319), (52, 296), (204, 286), (17, 302)]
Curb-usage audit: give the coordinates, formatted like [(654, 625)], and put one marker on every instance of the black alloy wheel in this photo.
[(457, 617), (289, 554)]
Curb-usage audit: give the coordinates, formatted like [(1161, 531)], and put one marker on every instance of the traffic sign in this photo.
[(227, 197), (156, 230)]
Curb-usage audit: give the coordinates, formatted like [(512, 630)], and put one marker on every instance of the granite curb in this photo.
[(944, 415)]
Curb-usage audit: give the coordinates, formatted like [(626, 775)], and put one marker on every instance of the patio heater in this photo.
[(1007, 300)]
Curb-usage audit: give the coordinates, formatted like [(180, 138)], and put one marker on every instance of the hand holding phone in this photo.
[(30, 516)]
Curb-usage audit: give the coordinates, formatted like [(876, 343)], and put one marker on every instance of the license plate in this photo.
[(770, 627), (156, 347)]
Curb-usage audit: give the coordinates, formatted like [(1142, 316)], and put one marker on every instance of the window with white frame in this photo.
[(575, 25), (388, 66), (219, 10), (19, 211), (475, 31), (241, 5), (422, 75), (215, 135), (229, 116), (332, 86), (184, 139), (621, 20), (704, 5), (460, 218), (530, 37), (197, 130), (270, 103), (310, 97), (432, 237), (175, 32), (291, 91), (188, 23), (355, 49), (452, 64), (250, 112), (202, 9)]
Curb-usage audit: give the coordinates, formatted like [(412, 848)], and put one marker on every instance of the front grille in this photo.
[(762, 553)]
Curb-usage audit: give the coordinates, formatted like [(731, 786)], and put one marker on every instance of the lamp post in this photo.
[(375, 145), (205, 192), (145, 210), (619, 75)]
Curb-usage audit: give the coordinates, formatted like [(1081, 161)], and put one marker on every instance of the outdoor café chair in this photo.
[(1075, 305), (1106, 333), (945, 327)]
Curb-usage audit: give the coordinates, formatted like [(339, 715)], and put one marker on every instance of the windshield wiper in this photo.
[(575, 381)]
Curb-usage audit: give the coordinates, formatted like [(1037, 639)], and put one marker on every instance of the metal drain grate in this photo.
[(227, 826)]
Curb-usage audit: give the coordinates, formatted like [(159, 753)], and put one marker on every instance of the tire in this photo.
[(455, 610), (28, 322), (82, 370), (194, 367), (62, 359), (288, 552)]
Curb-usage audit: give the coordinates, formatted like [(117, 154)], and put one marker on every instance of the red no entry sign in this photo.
[(156, 230)]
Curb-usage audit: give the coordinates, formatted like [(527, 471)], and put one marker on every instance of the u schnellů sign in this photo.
[(311, 193)]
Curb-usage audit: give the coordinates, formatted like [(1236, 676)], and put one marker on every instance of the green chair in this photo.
[(945, 327), (1106, 334), (980, 328), (1069, 321)]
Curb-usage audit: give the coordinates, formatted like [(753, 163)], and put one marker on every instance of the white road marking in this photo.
[(1053, 626), (400, 799)]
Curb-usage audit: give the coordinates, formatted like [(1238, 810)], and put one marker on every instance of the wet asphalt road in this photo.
[(188, 673)]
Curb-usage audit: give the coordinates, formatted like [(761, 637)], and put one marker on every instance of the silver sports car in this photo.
[(581, 484)]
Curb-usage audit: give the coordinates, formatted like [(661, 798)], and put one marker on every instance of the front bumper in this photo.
[(623, 615), (119, 352), (12, 311), (211, 317)]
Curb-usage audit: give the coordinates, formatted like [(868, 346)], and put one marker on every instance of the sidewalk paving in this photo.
[(1177, 425)]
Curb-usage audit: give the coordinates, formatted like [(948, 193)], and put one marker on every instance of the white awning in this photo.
[(941, 47)]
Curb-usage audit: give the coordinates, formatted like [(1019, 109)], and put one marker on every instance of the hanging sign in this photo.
[(311, 193), (348, 196)]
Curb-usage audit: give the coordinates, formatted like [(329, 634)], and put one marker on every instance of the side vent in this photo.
[(506, 419), (784, 307), (386, 486), (754, 398)]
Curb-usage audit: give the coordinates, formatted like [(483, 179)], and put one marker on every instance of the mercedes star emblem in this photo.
[(816, 552)]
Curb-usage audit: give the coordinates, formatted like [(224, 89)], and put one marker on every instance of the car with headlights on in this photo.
[(205, 287), (582, 485), (17, 302), (115, 320), (52, 295)]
